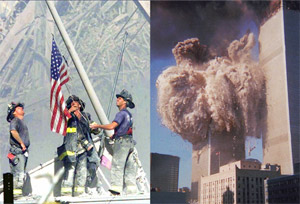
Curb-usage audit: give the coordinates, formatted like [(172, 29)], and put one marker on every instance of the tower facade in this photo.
[(164, 172), (238, 182), (219, 149), (279, 58)]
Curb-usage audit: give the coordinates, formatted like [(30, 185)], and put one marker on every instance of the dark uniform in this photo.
[(17, 158), (75, 155)]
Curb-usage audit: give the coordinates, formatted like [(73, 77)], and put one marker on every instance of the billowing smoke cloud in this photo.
[(216, 23), (221, 94)]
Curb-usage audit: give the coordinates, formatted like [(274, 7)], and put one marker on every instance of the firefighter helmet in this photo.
[(11, 109), (75, 98), (127, 97)]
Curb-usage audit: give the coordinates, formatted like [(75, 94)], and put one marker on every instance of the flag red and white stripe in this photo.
[(59, 77)]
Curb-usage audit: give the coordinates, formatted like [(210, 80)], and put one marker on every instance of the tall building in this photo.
[(285, 189), (208, 156), (164, 172), (279, 58), (237, 182)]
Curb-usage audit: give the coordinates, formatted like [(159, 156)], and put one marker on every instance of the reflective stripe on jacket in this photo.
[(78, 136)]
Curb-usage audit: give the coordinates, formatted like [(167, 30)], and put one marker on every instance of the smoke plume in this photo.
[(203, 93), (216, 23)]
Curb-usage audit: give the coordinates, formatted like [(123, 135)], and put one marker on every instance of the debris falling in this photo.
[(203, 93)]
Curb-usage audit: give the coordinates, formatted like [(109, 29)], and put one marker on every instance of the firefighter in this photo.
[(123, 168), (19, 141), (77, 150), (93, 183)]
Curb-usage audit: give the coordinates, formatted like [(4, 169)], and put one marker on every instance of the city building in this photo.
[(279, 58), (164, 172), (285, 189), (207, 157), (238, 182)]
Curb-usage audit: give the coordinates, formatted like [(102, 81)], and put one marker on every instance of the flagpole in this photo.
[(219, 160), (79, 67), (209, 152)]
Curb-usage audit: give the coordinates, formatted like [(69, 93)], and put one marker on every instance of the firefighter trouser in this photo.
[(92, 179), (18, 171), (92, 164), (123, 169), (75, 172)]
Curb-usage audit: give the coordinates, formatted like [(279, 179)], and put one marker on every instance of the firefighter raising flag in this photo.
[(59, 76)]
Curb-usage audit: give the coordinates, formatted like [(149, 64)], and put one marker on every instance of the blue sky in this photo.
[(165, 33), (163, 140)]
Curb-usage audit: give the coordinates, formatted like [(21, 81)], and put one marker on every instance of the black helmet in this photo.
[(75, 98), (11, 109), (127, 97)]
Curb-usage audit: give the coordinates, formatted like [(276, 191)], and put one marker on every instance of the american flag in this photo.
[(59, 76)]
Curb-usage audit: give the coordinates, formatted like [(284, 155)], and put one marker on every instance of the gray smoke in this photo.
[(216, 23), (221, 94)]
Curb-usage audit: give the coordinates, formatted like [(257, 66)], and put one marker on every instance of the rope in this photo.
[(117, 75)]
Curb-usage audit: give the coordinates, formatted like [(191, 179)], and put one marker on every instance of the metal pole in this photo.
[(79, 67), (142, 9), (53, 182)]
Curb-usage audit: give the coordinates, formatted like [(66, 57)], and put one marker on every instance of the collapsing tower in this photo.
[(208, 156), (214, 104), (279, 60)]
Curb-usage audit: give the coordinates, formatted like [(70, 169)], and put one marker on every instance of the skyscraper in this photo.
[(279, 58), (164, 172), (210, 155)]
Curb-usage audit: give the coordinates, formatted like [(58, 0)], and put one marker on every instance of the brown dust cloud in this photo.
[(204, 93)]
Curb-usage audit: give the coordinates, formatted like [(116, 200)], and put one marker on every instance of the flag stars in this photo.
[(58, 126), (56, 62)]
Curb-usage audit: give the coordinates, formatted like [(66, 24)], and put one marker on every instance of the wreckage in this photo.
[(97, 31)]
